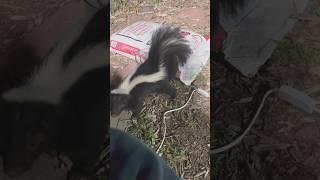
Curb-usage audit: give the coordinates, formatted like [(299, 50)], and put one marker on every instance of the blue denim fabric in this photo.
[(131, 159)]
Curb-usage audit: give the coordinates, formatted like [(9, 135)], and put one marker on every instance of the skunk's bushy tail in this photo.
[(168, 48)]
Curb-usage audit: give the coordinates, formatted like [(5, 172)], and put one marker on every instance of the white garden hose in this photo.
[(199, 91)]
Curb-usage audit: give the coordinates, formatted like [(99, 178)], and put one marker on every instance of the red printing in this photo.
[(125, 48)]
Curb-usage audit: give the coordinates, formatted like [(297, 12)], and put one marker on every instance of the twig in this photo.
[(200, 174)]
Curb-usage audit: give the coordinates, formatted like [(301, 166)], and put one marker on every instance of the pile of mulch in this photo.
[(185, 147)]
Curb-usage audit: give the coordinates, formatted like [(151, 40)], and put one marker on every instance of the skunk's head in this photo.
[(32, 127), (118, 103)]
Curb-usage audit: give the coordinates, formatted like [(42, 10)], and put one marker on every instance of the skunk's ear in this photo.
[(115, 81)]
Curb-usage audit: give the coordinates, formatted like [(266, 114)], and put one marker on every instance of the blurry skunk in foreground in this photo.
[(168, 51), (62, 104)]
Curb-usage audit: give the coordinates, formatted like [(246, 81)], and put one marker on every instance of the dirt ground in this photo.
[(284, 143), (20, 17), (185, 148)]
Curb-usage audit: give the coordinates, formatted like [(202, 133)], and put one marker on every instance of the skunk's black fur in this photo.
[(82, 133), (76, 123), (89, 36), (168, 50)]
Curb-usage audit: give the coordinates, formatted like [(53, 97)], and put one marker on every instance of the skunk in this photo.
[(168, 50), (57, 107)]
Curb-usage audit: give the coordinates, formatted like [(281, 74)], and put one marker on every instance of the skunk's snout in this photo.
[(118, 103)]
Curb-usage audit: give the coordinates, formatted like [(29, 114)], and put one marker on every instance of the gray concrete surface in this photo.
[(121, 121)]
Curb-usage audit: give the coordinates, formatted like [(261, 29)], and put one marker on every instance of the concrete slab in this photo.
[(120, 122)]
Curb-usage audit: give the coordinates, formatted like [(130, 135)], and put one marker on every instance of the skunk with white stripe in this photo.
[(62, 101), (168, 51)]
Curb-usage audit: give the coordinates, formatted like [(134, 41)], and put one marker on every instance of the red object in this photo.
[(125, 48), (218, 39)]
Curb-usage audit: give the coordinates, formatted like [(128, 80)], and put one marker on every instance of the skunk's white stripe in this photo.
[(126, 86), (86, 61), (170, 42), (167, 45), (53, 80)]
